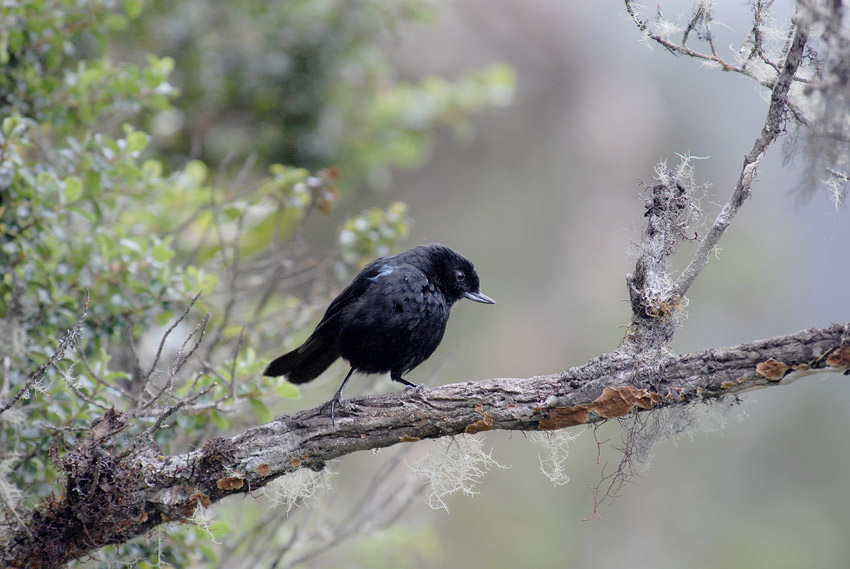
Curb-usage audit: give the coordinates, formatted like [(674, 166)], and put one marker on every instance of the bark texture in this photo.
[(113, 496)]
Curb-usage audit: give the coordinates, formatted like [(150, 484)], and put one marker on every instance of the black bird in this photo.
[(390, 318)]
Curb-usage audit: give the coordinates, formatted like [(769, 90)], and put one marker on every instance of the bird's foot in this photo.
[(416, 388), (335, 401)]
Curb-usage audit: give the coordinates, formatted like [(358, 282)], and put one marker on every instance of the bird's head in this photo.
[(456, 275)]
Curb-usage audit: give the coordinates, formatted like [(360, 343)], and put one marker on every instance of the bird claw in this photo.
[(333, 402)]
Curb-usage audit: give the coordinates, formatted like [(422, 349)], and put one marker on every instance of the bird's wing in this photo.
[(366, 279)]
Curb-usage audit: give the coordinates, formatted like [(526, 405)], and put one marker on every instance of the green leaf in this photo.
[(219, 421), (9, 124), (92, 182), (73, 188), (208, 283), (165, 65), (83, 213), (107, 244), (137, 141), (219, 528), (152, 169), (131, 244), (115, 22), (263, 413), (287, 390), (133, 8), (194, 174), (164, 317), (162, 253), (4, 48)]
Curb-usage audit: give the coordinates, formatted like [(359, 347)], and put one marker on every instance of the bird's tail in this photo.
[(305, 363)]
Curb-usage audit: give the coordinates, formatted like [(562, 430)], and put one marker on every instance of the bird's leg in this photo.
[(396, 376), (337, 398)]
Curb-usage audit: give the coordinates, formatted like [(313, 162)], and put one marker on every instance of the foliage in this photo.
[(305, 82), (106, 232)]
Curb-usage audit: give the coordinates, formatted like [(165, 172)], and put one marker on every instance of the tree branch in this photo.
[(68, 340), (770, 130), (108, 500), (656, 298)]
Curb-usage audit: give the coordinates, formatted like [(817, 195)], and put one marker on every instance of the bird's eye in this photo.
[(460, 275)]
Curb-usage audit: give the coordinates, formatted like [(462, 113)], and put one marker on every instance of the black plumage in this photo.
[(390, 318)]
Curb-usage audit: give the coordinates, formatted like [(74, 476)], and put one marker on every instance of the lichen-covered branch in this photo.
[(67, 341), (111, 498), (771, 129), (758, 57), (656, 297)]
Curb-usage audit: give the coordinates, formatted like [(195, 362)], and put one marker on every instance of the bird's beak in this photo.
[(479, 297)]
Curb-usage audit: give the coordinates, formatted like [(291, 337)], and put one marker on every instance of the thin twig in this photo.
[(769, 133), (701, 15), (232, 268), (677, 49), (66, 341), (232, 382), (147, 376), (179, 359), (217, 405), (76, 390), (85, 361), (179, 362), (9, 508), (713, 57), (379, 507), (166, 413)]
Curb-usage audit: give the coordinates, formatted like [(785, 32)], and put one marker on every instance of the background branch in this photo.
[(68, 340), (657, 299), (772, 128)]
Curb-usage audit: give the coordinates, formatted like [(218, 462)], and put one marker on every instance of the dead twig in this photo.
[(68, 340)]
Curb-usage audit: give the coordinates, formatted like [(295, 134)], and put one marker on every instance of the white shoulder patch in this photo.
[(384, 272)]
